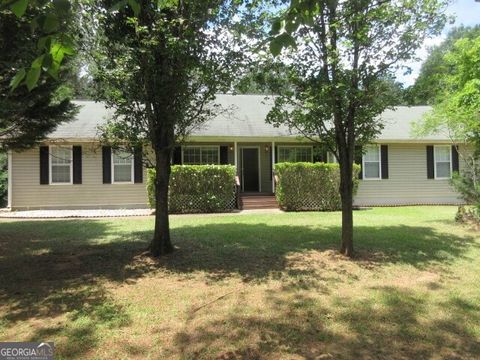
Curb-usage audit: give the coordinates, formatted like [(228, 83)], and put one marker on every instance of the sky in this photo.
[(466, 12)]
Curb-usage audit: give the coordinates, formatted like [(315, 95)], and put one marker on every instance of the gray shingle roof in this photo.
[(245, 117)]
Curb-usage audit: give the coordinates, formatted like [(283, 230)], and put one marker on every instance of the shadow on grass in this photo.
[(390, 325), (255, 251), (53, 268)]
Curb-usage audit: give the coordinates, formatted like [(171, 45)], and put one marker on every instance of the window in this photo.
[(201, 155), (60, 165), (122, 164), (443, 162), (295, 154), (371, 162)]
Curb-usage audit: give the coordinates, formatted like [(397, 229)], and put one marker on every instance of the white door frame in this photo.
[(259, 168)]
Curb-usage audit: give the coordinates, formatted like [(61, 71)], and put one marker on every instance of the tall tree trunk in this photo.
[(161, 244), (346, 194)]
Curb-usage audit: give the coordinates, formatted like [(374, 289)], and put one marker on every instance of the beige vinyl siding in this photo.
[(407, 182), (92, 193)]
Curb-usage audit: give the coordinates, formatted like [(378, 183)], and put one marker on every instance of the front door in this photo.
[(250, 169)]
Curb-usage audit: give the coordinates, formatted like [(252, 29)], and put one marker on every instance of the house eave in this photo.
[(261, 139)]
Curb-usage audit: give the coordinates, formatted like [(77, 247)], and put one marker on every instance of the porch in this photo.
[(254, 160)]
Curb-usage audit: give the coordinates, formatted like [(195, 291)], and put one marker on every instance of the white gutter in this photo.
[(10, 178), (253, 139)]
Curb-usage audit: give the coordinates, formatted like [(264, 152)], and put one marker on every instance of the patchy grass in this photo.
[(245, 287)]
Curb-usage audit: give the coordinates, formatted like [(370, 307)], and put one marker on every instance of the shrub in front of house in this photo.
[(310, 186), (198, 188)]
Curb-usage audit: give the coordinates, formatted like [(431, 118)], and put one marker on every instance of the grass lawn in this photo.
[(246, 287)]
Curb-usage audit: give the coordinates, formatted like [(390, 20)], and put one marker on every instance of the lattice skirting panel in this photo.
[(202, 203)]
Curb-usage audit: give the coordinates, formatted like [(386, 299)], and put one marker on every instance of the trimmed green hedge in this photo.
[(307, 186), (198, 188)]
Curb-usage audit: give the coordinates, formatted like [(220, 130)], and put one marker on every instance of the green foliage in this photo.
[(3, 179), (457, 108), (467, 184), (167, 58), (310, 186), (50, 24), (27, 114), (342, 69), (456, 113), (198, 188), (431, 83)]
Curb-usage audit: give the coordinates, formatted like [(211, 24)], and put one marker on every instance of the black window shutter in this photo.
[(77, 164), (177, 155), (107, 164), (430, 164), (358, 159), (44, 178), (276, 154), (384, 158), (455, 163), (138, 165), (223, 155)]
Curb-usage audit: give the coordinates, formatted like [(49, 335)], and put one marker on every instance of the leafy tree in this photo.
[(27, 114), (430, 82), (456, 113), (343, 52), (159, 71), (263, 77), (49, 22)]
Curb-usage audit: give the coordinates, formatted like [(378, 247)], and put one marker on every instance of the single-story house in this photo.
[(71, 170)]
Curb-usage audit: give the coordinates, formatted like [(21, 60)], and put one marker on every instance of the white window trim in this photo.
[(435, 162), (379, 165), (132, 171), (202, 146), (294, 147), (50, 165)]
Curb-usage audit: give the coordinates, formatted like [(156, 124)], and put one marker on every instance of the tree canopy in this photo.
[(430, 81), (456, 112), (50, 23), (27, 113)]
